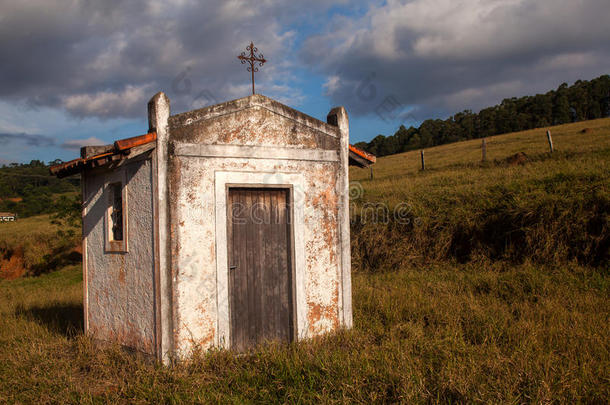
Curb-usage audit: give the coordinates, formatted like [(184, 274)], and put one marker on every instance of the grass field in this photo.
[(550, 210), (32, 246), (496, 290)]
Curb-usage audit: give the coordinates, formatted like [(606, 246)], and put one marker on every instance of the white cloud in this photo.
[(109, 103), (332, 84), (570, 60), (464, 29), (76, 144), (446, 54)]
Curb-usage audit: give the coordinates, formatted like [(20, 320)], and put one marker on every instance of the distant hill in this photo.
[(584, 100), (549, 209), (28, 189)]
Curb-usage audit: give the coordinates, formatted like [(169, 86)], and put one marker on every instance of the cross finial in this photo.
[(252, 59)]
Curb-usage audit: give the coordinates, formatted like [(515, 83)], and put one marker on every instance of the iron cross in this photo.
[(253, 59)]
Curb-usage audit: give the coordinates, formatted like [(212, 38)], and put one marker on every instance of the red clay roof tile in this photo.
[(120, 147)]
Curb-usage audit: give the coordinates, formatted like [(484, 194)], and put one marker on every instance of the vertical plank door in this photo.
[(260, 282)]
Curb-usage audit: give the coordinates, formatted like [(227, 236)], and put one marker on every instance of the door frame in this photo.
[(290, 189), (294, 183)]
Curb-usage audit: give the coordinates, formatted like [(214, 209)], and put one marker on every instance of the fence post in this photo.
[(423, 162), (483, 150), (371, 172), (550, 139)]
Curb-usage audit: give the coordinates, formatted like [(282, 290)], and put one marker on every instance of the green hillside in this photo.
[(39, 244), (550, 209), (473, 282), (29, 189)]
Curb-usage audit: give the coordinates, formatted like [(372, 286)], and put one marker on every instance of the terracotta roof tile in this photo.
[(120, 148), (129, 143), (368, 156)]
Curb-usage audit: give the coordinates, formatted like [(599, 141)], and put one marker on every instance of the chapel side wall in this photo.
[(194, 227), (120, 291)]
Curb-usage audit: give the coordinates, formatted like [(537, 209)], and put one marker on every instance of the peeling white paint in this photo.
[(176, 293)]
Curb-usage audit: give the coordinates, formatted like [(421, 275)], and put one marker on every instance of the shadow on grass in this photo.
[(59, 258), (61, 318)]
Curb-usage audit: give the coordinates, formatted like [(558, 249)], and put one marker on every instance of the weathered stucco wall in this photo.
[(176, 224), (120, 286), (310, 149), (255, 120)]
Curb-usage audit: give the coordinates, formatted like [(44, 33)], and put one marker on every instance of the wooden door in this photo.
[(260, 269)]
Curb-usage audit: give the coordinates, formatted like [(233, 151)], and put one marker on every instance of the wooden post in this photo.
[(423, 163), (371, 172), (550, 139), (483, 150)]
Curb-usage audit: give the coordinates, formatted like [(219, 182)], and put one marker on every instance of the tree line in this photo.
[(29, 189), (584, 100)]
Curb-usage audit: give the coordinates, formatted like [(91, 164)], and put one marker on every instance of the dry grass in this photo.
[(24, 230), (568, 138), (551, 210), (524, 323), (444, 333), (32, 246)]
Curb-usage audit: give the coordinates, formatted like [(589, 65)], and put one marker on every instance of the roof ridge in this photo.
[(255, 100)]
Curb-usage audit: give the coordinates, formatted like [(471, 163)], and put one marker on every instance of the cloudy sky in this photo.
[(78, 72)]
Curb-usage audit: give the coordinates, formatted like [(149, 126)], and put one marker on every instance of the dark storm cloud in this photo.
[(108, 58), (445, 55), (27, 139)]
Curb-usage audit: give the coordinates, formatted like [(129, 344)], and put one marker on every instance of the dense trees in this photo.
[(28, 189), (584, 100)]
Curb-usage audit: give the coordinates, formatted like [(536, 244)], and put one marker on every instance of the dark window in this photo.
[(116, 213)]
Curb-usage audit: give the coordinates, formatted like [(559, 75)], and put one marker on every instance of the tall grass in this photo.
[(34, 245), (551, 210), (461, 333)]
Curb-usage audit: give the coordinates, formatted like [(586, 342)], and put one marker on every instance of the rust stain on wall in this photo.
[(121, 265), (321, 309), (318, 313), (123, 310), (122, 275), (252, 126)]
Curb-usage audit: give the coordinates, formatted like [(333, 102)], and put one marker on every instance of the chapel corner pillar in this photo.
[(338, 117), (158, 114), (158, 121)]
